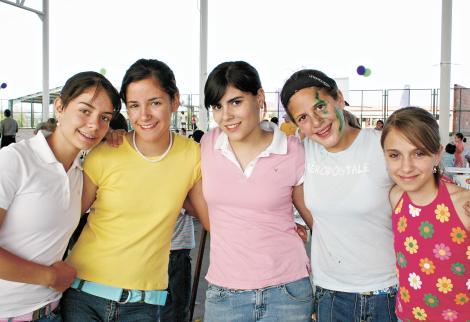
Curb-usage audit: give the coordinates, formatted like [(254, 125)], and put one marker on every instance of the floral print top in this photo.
[(433, 261)]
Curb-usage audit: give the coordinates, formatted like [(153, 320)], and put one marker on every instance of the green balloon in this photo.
[(367, 72), (103, 71)]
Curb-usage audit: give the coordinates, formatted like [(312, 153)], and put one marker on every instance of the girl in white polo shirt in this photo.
[(40, 199)]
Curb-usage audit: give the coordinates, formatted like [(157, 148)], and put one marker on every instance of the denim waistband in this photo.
[(120, 295), (386, 290), (36, 314)]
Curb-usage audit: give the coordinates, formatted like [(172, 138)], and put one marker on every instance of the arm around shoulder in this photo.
[(199, 206)]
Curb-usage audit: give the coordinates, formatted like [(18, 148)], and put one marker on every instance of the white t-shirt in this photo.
[(347, 193), (42, 205)]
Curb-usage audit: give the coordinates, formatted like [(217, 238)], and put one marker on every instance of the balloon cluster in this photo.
[(363, 71), (4, 85)]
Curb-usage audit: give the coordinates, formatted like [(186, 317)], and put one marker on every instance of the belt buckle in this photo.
[(129, 295), (369, 293), (41, 312)]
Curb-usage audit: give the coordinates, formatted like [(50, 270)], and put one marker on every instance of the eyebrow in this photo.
[(234, 99), (91, 106), (149, 100)]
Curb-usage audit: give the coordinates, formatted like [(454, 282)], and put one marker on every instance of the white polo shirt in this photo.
[(42, 204)]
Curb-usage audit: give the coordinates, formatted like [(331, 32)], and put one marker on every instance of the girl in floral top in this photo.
[(431, 229)]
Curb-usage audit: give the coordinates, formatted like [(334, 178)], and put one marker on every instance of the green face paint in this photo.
[(319, 101), (340, 117)]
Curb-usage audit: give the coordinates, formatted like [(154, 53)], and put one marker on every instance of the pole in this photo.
[(197, 273), (446, 42)]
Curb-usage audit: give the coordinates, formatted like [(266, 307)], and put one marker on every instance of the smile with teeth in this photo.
[(324, 131), (147, 126), (232, 126), (86, 135)]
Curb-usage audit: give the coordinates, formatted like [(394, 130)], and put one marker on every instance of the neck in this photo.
[(425, 195), (152, 148), (255, 139), (63, 151), (347, 138)]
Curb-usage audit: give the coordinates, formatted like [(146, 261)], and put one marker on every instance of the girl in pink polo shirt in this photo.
[(431, 230), (252, 172)]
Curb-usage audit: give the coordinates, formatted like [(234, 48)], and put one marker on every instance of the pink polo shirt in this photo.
[(254, 243)]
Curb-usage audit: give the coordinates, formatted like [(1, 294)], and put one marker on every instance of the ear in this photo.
[(175, 102), (58, 107), (340, 100), (261, 98)]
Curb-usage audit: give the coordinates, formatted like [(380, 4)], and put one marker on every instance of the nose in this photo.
[(145, 113), (226, 113), (406, 164), (316, 119), (94, 122)]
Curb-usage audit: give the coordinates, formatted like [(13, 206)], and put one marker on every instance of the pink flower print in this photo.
[(441, 251), (449, 315)]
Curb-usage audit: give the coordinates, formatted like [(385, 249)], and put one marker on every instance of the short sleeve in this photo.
[(299, 160), (197, 164), (10, 176), (92, 165)]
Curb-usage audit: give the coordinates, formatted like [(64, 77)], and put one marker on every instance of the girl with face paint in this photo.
[(346, 189)]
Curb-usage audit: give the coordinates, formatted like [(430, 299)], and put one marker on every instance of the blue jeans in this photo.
[(77, 306), (176, 308), (286, 302), (335, 306)]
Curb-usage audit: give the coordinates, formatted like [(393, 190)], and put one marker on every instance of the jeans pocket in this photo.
[(300, 291), (215, 294)]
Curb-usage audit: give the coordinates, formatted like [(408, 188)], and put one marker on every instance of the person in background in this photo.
[(346, 189), (288, 127), (41, 126), (448, 157), (40, 198), (459, 148), (176, 308), (51, 124), (431, 229), (379, 125), (8, 129)]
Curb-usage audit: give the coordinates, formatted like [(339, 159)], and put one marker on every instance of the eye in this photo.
[(216, 107), (301, 118), (320, 106), (393, 155), (132, 105), (106, 118), (236, 102), (85, 111), (156, 103), (420, 153)]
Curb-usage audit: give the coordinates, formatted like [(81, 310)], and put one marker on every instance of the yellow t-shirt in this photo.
[(288, 128), (126, 242)]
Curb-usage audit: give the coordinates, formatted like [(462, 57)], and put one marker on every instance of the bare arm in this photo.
[(460, 198), (58, 276), (299, 204), (394, 195), (88, 194), (199, 205)]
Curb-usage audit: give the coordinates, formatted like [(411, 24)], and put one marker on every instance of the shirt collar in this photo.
[(277, 146), (42, 149)]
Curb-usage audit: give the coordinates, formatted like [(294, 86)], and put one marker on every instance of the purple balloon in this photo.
[(4, 85), (361, 70)]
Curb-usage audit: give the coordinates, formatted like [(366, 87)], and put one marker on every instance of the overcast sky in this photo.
[(398, 40)]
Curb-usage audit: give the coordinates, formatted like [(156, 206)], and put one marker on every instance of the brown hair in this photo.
[(419, 127)]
